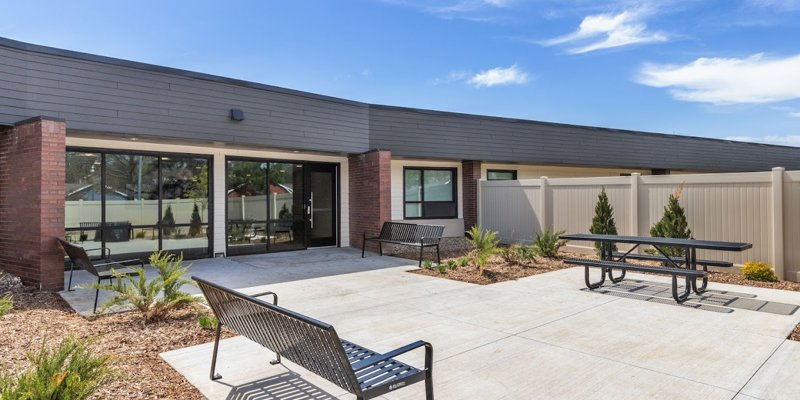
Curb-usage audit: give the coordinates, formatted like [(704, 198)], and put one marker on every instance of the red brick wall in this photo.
[(470, 174), (32, 168), (370, 194)]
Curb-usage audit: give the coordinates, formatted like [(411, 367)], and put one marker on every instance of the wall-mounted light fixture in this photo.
[(237, 114)]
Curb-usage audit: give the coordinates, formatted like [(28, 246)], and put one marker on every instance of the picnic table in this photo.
[(685, 266)]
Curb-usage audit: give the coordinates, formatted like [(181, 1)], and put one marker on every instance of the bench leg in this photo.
[(421, 254), (363, 245), (594, 285), (438, 257), (380, 248), (680, 298), (615, 280), (213, 375), (428, 372), (96, 296)]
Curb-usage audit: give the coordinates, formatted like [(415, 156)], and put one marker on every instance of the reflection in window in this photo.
[(123, 216), (501, 175), (429, 193)]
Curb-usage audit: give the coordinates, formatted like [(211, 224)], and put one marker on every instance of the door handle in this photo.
[(311, 209)]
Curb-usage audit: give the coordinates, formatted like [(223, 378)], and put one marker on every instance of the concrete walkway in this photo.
[(541, 337)]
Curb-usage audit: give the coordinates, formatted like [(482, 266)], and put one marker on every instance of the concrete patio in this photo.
[(538, 337)]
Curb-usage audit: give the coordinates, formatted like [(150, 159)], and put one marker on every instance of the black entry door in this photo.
[(321, 204)]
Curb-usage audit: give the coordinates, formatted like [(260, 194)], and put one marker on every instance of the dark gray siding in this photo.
[(119, 99), (432, 134)]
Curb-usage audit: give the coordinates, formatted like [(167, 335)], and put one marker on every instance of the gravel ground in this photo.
[(135, 348), (498, 270)]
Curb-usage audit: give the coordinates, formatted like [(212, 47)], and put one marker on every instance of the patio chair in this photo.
[(103, 270)]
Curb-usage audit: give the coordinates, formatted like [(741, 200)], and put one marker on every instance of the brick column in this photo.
[(370, 194), (470, 174), (32, 168)]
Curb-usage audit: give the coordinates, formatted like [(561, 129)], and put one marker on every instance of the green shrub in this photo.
[(6, 304), (758, 271), (463, 261), (70, 372), (168, 222), (208, 322), (452, 264), (156, 298), (511, 254), (603, 221), (548, 243), (196, 222), (442, 268), (673, 224), (427, 264), (484, 245)]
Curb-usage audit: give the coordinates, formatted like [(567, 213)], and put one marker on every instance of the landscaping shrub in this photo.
[(156, 298), (442, 268), (548, 243), (206, 321), (427, 264), (463, 261), (196, 222), (6, 304), (452, 264), (673, 224), (484, 245), (168, 222), (518, 254), (70, 372), (758, 271), (603, 221)]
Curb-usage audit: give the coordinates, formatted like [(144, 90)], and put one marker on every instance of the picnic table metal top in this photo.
[(659, 241)]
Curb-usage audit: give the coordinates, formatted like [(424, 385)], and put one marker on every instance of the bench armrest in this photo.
[(123, 262), (104, 251), (273, 294), (368, 362)]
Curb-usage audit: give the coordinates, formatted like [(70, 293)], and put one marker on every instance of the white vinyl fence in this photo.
[(762, 208)]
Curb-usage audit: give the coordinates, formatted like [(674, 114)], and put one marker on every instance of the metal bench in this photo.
[(657, 257), (313, 344), (605, 265), (406, 234)]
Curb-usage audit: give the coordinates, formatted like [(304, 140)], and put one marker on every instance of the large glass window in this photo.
[(429, 193), (265, 206), (135, 203)]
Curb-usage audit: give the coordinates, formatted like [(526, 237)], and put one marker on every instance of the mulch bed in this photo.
[(133, 346), (498, 270)]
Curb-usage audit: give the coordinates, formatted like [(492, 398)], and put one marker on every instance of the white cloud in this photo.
[(604, 31), (755, 79), (512, 75), (780, 5), (786, 140), (451, 76)]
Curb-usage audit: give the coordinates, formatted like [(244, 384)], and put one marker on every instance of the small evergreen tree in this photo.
[(168, 222), (196, 223), (603, 221), (673, 224)]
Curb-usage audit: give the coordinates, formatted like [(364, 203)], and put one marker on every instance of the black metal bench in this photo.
[(406, 234), (605, 265), (679, 260), (313, 344)]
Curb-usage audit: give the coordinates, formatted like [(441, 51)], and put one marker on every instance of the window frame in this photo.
[(512, 171), (422, 170), (103, 152)]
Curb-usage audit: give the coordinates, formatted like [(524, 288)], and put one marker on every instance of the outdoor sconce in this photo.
[(237, 114)]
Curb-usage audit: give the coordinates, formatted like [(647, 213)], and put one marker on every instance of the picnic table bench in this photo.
[(406, 234), (313, 344), (686, 267)]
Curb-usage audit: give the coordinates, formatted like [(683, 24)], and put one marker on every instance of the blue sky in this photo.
[(715, 68)]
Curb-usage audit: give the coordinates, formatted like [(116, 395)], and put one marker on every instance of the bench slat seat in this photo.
[(656, 257), (313, 344), (606, 265), (401, 233)]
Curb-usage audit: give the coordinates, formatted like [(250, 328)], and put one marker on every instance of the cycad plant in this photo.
[(548, 243), (70, 371), (155, 298), (484, 245)]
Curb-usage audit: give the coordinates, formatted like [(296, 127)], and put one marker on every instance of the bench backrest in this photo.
[(411, 233), (78, 256), (312, 344)]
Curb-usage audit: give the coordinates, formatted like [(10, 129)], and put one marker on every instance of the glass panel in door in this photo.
[(246, 196), (322, 204), (286, 228)]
